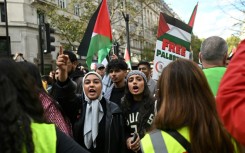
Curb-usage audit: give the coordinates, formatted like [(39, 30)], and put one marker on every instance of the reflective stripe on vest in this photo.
[(159, 141), (155, 143)]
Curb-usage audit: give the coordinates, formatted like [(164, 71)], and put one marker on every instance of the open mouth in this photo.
[(135, 88), (91, 90)]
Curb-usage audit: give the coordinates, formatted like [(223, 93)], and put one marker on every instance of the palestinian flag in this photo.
[(97, 38), (174, 30), (127, 58), (193, 16)]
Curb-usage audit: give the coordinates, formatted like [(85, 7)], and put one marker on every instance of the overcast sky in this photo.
[(214, 17)]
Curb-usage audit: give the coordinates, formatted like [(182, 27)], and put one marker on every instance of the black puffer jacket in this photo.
[(74, 106)]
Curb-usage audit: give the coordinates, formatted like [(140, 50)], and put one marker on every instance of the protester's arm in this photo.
[(69, 101), (61, 63), (66, 144), (231, 96), (65, 89), (114, 56)]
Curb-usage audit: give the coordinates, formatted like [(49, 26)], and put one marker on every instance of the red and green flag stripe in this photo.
[(193, 16), (97, 38)]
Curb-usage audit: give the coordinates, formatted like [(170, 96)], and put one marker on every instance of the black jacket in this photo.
[(77, 76), (74, 106)]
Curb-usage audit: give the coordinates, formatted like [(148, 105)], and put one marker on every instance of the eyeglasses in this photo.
[(143, 68)]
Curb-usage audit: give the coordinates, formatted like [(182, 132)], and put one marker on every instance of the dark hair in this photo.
[(116, 64), (32, 69), (71, 55), (187, 100), (18, 106), (48, 79), (145, 110), (145, 63)]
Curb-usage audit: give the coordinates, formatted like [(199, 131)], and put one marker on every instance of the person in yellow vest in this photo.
[(187, 120), (22, 128)]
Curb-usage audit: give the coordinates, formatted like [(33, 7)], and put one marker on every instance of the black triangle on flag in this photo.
[(84, 45)]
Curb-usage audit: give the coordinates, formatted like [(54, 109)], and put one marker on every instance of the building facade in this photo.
[(24, 20), (142, 26)]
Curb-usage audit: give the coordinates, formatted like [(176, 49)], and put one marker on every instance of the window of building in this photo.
[(77, 9), (62, 3), (132, 43), (2, 13)]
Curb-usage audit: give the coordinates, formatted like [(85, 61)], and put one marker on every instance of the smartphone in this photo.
[(135, 136)]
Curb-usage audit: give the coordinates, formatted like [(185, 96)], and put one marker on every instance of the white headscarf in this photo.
[(94, 114)]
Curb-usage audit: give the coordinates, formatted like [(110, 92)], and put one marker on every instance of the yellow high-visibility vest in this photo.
[(159, 141), (44, 138)]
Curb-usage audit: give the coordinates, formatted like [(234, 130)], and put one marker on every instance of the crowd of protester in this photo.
[(113, 110)]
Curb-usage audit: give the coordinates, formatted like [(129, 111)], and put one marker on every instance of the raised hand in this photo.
[(114, 56), (61, 62)]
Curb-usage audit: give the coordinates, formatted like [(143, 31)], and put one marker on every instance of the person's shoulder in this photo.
[(213, 70), (113, 106), (151, 81), (77, 74), (150, 134)]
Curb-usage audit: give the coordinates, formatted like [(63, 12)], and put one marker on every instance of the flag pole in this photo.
[(7, 28), (126, 18)]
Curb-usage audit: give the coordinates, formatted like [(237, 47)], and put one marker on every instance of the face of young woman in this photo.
[(92, 86), (136, 84)]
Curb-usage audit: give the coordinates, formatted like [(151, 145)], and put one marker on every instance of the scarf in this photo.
[(93, 115)]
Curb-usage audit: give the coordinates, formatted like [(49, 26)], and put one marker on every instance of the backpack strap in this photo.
[(177, 136)]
